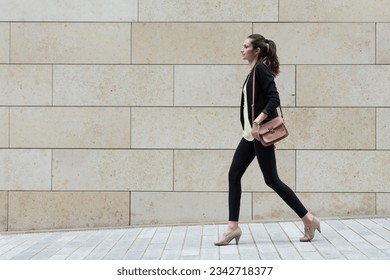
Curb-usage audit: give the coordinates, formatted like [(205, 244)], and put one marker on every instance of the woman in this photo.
[(261, 56)]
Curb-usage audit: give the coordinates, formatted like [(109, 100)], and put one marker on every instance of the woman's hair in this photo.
[(267, 52)]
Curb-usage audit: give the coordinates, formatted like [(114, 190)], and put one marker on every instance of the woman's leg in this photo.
[(243, 156), (267, 161)]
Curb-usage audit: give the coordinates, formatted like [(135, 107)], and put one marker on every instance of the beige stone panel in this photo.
[(383, 128), (343, 171), (339, 204), (321, 43), (201, 170), (334, 10), (78, 43), (383, 43), (382, 204), (63, 210), (204, 10), (112, 170), (185, 128), (271, 206), (343, 85), (184, 207), (113, 85), (221, 85), (209, 85), (3, 211), (329, 128), (188, 43), (25, 85), (25, 169), (207, 170), (4, 127), (58, 10), (70, 127), (4, 42), (285, 83)]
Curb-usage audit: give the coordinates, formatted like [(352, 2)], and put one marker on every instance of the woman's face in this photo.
[(247, 51)]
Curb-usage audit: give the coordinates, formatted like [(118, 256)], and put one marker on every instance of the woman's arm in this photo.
[(269, 89), (271, 97)]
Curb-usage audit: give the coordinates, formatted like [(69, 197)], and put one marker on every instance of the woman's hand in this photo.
[(256, 125), (255, 131)]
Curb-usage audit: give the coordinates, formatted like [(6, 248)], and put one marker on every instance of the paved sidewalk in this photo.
[(357, 239)]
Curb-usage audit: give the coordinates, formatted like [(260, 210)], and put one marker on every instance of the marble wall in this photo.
[(111, 112)]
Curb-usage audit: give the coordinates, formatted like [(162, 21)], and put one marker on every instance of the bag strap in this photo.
[(253, 96)]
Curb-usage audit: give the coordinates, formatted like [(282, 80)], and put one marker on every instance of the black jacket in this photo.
[(266, 95)]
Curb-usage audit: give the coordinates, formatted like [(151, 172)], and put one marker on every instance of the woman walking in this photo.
[(262, 59)]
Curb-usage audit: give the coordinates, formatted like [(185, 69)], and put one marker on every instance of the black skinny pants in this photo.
[(244, 155)]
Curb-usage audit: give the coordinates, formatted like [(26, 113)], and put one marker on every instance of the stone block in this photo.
[(4, 42), (57, 10), (209, 85), (334, 11), (209, 11), (185, 128), (63, 210), (343, 171), (321, 43), (382, 203), (351, 85), (113, 85), (221, 85), (201, 170), (329, 128), (4, 127), (383, 43), (79, 43), (112, 170), (271, 206), (207, 170), (70, 127), (194, 45), (25, 169), (184, 207), (25, 85), (339, 204), (286, 84), (3, 211), (383, 128)]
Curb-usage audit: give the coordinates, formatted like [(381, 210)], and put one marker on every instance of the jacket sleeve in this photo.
[(269, 89)]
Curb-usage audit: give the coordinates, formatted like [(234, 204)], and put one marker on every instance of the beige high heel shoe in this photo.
[(310, 230), (235, 234)]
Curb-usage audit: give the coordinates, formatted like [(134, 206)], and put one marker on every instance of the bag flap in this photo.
[(270, 125)]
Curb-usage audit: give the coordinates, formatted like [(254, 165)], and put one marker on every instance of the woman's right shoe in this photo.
[(310, 230), (235, 234)]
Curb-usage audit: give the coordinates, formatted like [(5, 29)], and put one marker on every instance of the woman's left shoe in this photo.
[(310, 230), (235, 234)]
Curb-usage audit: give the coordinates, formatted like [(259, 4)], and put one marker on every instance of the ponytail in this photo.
[(267, 52), (272, 59)]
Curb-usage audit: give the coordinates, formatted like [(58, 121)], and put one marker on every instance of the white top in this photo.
[(247, 125)]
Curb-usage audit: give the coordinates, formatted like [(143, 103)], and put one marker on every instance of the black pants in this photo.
[(244, 155)]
